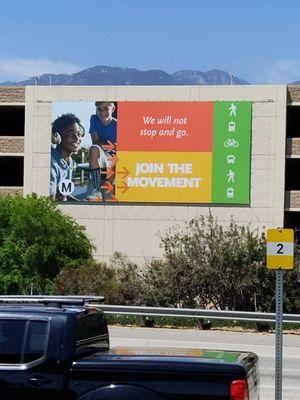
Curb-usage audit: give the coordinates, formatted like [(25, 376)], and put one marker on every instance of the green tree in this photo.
[(291, 289), (36, 241)]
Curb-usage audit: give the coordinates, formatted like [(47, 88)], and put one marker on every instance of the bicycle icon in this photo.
[(231, 143)]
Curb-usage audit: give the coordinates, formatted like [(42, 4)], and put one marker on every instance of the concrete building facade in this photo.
[(134, 228)]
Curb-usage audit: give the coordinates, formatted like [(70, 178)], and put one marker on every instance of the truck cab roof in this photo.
[(47, 304)]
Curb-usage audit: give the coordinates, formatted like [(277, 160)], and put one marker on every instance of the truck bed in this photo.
[(171, 373)]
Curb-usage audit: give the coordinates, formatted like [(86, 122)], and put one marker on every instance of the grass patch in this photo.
[(190, 323)]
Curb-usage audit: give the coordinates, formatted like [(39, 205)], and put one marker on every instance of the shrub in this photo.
[(207, 265)]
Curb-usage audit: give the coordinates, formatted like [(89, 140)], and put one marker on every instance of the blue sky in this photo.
[(257, 40)]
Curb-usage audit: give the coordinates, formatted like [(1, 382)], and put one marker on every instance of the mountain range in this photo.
[(105, 75)]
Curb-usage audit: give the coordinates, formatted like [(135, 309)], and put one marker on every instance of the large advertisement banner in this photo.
[(155, 152)]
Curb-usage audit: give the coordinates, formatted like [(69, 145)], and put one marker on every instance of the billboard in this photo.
[(151, 152)]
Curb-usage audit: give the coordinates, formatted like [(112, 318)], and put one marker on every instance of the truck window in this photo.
[(91, 330), (36, 341), (11, 340), (22, 341)]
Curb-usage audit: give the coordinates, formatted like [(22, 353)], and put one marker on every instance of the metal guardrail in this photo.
[(196, 313)]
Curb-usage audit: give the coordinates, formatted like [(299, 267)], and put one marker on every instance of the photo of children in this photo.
[(66, 135), (82, 165), (103, 130)]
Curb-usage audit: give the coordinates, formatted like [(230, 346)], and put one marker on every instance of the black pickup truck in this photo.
[(58, 348)]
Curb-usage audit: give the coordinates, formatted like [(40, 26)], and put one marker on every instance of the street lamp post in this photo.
[(35, 79)]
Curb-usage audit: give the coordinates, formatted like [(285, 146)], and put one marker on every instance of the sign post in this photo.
[(280, 256)]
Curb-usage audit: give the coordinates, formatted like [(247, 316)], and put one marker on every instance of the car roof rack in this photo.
[(54, 301)]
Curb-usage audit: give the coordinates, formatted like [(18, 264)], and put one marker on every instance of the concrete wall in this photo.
[(133, 229)]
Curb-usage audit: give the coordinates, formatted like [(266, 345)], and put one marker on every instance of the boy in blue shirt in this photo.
[(103, 126), (103, 129)]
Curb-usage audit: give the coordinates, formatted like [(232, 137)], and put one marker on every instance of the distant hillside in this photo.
[(103, 75)]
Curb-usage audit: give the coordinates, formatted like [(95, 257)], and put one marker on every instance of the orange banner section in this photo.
[(164, 177), (165, 126)]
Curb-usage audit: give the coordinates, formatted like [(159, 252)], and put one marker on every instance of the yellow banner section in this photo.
[(280, 235), (284, 262), (164, 177)]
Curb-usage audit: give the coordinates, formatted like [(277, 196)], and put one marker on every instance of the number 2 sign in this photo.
[(280, 249)]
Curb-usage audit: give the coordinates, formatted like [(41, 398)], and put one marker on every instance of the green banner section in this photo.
[(221, 355), (231, 152)]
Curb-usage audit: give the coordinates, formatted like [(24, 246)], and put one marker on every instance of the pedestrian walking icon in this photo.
[(230, 176), (232, 109)]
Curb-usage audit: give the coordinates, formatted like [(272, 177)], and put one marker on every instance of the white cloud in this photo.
[(280, 71), (16, 69)]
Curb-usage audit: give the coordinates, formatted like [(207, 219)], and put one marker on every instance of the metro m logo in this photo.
[(66, 187)]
